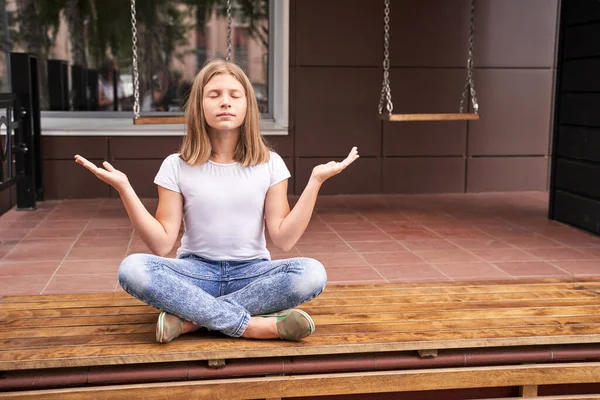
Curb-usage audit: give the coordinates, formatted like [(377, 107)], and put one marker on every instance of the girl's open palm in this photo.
[(110, 175), (325, 171)]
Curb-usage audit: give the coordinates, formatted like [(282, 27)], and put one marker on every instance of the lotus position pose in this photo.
[(226, 184)]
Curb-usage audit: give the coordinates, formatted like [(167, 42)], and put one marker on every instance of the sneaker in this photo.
[(168, 327), (293, 324)]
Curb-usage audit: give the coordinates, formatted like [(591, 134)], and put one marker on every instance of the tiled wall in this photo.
[(336, 53), (337, 75)]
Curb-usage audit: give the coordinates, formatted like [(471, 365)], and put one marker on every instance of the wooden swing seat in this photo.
[(180, 119), (103, 345), (159, 120), (430, 117)]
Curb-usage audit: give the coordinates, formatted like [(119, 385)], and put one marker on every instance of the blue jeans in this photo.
[(221, 295)]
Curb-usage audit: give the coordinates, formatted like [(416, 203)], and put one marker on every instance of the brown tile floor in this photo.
[(76, 245)]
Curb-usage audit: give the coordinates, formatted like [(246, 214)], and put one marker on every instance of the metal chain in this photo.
[(228, 30), (470, 84), (386, 92), (136, 73)]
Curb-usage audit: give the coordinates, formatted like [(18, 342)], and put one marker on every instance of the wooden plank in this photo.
[(336, 290), (578, 142), (315, 310), (560, 397), (529, 282), (36, 327), (66, 296), (462, 299), (575, 177), (333, 384), (189, 347), (580, 75), (349, 300), (324, 327), (478, 283), (70, 304), (384, 290), (577, 12), (80, 312), (354, 296), (70, 322), (159, 120), (580, 108), (528, 391), (430, 117), (342, 289), (440, 302), (578, 211), (581, 41), (331, 314), (145, 334), (76, 330)]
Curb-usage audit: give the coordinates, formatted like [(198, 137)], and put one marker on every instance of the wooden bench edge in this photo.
[(337, 383)]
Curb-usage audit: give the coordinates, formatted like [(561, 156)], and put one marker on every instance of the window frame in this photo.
[(109, 123)]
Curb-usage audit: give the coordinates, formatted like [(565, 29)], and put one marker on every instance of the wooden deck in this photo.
[(62, 331)]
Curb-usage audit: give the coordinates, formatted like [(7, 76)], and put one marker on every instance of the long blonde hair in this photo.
[(196, 148)]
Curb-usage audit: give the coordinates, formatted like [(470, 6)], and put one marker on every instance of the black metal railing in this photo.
[(10, 136)]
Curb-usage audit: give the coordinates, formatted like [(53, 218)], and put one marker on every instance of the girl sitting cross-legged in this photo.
[(225, 184)]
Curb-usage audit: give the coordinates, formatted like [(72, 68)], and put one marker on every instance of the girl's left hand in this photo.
[(325, 171)]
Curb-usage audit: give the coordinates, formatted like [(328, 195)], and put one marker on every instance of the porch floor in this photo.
[(75, 246)]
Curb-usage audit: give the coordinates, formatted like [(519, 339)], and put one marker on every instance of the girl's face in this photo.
[(224, 103)]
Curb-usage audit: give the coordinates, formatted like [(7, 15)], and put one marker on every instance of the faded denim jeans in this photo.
[(221, 295)]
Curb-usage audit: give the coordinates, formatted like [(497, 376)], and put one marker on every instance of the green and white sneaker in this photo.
[(292, 324)]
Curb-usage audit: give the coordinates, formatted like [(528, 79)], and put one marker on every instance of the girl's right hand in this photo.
[(110, 175)]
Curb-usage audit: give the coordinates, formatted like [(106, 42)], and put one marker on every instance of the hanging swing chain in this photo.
[(470, 84), (136, 73), (228, 30), (134, 50), (386, 92)]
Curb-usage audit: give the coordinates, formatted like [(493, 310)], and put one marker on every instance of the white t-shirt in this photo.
[(223, 208)]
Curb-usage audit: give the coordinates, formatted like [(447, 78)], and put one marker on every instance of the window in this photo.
[(174, 41)]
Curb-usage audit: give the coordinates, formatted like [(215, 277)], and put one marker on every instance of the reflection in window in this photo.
[(175, 39)]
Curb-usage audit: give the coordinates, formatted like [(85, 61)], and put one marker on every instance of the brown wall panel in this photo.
[(141, 147), (65, 147), (289, 162), (499, 174), (515, 33), (423, 175), (515, 108), (362, 176), (282, 145), (5, 200), (141, 175), (425, 90), (335, 110), (338, 32), (428, 32), (65, 179), (424, 138)]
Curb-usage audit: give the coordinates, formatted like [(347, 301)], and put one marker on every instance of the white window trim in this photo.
[(107, 123)]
